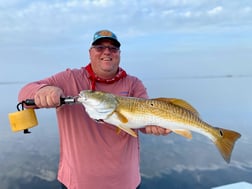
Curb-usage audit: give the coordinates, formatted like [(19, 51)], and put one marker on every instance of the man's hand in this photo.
[(156, 130), (48, 97)]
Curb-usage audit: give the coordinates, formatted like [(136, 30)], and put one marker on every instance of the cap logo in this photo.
[(105, 33)]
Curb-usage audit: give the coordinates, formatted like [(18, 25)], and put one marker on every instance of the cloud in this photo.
[(8, 3), (164, 164), (215, 11), (175, 154), (62, 18), (56, 24), (247, 9), (47, 175)]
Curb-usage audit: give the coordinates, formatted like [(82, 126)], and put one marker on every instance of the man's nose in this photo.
[(107, 50)]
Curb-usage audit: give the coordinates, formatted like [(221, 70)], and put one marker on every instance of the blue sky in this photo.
[(39, 38)]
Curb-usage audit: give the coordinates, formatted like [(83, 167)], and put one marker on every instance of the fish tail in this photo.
[(225, 142)]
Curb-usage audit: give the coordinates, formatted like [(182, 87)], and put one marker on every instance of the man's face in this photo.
[(105, 58)]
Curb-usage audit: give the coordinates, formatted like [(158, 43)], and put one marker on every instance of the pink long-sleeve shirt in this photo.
[(92, 155)]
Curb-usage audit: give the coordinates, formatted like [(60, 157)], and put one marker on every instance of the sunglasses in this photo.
[(102, 48)]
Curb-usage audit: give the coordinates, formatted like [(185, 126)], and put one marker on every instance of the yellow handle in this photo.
[(22, 120)]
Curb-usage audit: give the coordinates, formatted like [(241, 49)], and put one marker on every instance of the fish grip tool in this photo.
[(24, 119)]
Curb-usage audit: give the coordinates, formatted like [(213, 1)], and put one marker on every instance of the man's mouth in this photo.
[(106, 59)]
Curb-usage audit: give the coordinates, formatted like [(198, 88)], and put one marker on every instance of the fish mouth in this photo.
[(82, 97)]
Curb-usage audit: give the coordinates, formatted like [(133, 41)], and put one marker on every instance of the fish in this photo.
[(177, 115)]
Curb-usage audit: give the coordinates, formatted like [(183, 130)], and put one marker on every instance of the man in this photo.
[(92, 154)]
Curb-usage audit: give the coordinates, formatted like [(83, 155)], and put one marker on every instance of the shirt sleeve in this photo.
[(29, 90), (139, 90), (58, 80)]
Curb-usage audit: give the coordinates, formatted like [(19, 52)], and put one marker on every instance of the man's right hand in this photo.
[(48, 97)]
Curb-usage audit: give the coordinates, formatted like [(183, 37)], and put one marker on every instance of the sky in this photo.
[(39, 38)]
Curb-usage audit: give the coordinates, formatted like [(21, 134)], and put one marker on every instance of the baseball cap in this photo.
[(105, 34)]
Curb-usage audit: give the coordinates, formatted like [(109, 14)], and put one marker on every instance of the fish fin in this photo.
[(121, 117), (184, 133), (181, 103), (225, 142), (127, 130), (118, 130)]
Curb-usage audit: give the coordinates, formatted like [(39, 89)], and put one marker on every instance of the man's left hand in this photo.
[(156, 130)]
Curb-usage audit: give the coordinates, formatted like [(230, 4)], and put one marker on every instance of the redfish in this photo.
[(180, 117)]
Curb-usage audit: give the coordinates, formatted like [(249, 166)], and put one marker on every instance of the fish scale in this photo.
[(156, 108), (129, 113)]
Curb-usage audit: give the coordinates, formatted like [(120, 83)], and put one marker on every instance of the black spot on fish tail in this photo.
[(226, 142), (221, 132)]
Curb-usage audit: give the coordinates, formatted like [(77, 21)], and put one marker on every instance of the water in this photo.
[(30, 161)]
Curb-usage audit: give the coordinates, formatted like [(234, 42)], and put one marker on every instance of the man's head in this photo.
[(105, 54)]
